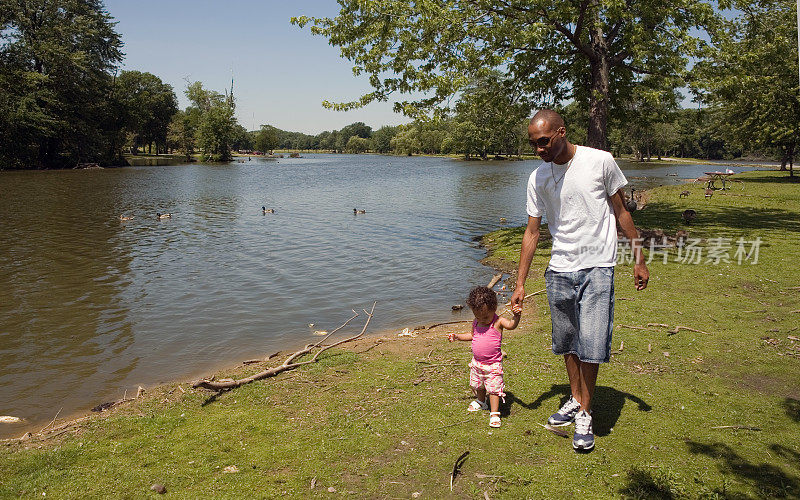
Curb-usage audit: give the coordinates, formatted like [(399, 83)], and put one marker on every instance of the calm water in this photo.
[(92, 306)]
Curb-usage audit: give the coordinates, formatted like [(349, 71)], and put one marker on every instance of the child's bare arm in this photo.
[(459, 336), (510, 324)]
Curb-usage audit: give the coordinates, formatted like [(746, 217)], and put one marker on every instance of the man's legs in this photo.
[(582, 379)]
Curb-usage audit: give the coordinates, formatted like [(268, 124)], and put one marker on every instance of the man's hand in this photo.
[(640, 276), (451, 336), (516, 309), (518, 297)]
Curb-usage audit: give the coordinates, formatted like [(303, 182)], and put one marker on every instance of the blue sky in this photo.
[(282, 73)]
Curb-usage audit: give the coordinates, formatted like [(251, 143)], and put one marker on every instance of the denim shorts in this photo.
[(582, 312)]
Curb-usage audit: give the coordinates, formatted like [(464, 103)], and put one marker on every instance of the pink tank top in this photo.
[(486, 342)]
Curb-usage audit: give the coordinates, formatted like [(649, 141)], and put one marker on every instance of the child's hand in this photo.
[(451, 336), (516, 309)]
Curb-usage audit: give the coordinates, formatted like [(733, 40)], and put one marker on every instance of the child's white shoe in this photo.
[(494, 419), (477, 406)]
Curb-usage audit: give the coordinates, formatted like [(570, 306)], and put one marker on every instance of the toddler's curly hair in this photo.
[(482, 296)]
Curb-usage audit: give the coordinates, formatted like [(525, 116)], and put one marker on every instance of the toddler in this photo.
[(486, 367)]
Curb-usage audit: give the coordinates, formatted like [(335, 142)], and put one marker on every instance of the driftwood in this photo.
[(495, 279), (289, 363)]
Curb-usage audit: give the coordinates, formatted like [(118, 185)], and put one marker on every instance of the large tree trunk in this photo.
[(598, 97)]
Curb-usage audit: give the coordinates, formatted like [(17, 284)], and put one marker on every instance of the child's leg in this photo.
[(480, 394), (494, 402)]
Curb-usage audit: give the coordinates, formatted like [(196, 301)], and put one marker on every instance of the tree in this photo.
[(405, 142), (241, 139), (182, 131), (56, 63), (494, 106), (593, 51), (267, 138), (357, 145), (382, 139), (216, 129), (749, 77), (148, 105)]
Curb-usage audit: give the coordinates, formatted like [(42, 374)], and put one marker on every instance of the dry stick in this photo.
[(495, 279), (289, 363), (52, 421), (453, 424), (679, 328), (555, 431), (637, 327), (744, 427), (448, 323)]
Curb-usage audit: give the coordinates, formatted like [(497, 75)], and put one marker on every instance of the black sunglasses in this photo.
[(543, 142)]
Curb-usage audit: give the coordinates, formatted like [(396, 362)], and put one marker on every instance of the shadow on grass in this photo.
[(792, 407), (606, 405), (213, 398), (771, 179), (766, 479), (711, 217), (646, 484)]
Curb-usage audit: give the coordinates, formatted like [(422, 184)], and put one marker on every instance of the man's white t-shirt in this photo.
[(575, 198)]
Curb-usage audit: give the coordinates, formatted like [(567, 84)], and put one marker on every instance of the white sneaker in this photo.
[(566, 414), (583, 439)]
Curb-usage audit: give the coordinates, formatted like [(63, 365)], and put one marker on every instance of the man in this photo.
[(579, 189)]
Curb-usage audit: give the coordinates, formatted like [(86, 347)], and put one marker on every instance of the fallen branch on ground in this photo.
[(449, 323), (289, 363), (743, 427), (452, 425), (654, 326), (637, 327), (51, 422), (678, 328), (555, 431), (496, 278)]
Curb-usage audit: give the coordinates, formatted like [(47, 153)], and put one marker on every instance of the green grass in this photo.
[(391, 421)]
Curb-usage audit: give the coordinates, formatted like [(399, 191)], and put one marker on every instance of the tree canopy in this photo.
[(594, 52), (57, 58), (148, 105), (749, 77)]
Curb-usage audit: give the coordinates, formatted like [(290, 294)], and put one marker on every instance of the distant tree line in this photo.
[(681, 133)]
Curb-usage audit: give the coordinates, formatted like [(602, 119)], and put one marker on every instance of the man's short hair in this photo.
[(553, 119), (482, 296)]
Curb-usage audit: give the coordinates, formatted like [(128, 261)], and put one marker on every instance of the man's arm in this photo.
[(529, 242), (640, 273)]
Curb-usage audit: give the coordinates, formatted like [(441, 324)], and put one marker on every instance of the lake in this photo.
[(93, 307)]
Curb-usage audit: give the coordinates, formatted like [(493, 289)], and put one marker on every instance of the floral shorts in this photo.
[(489, 376)]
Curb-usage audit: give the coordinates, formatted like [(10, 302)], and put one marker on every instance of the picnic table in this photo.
[(718, 176)]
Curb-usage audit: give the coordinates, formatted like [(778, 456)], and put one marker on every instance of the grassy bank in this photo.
[(386, 417)]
